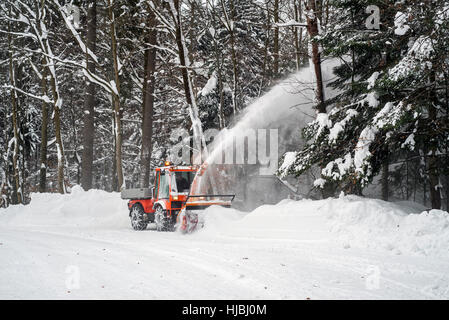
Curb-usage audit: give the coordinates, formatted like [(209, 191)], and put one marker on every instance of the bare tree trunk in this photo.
[(221, 116), (114, 180), (407, 181), (51, 68), (312, 28), (59, 144), (325, 22), (89, 102), (319, 10), (219, 74), (73, 127), (218, 59), (148, 101), (447, 147), (116, 99), (433, 168), (435, 197), (276, 39), (385, 174), (229, 23), (183, 59), (15, 125), (425, 177), (298, 39), (44, 135), (192, 36), (234, 65), (5, 194), (23, 176), (265, 67)]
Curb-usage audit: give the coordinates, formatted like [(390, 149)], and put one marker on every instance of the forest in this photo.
[(90, 91)]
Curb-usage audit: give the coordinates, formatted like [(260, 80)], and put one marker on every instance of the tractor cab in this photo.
[(172, 186)]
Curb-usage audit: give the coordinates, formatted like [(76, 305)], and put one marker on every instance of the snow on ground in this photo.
[(81, 246)]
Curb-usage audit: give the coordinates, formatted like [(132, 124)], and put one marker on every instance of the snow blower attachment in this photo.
[(172, 201), (191, 216)]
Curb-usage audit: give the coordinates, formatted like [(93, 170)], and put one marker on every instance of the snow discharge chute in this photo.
[(208, 188)]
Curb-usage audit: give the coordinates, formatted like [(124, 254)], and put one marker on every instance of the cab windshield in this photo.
[(181, 181)]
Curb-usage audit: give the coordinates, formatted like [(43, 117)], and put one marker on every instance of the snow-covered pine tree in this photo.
[(392, 85), (417, 86), (333, 137)]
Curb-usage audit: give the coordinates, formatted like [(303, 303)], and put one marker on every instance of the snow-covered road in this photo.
[(231, 258)]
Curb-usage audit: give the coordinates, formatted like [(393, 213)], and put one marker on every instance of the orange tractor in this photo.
[(169, 203)]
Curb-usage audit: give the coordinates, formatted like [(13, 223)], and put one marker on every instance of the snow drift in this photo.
[(86, 209), (348, 221)]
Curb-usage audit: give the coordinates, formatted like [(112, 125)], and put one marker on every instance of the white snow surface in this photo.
[(81, 246)]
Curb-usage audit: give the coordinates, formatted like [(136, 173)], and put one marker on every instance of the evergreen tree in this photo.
[(391, 98)]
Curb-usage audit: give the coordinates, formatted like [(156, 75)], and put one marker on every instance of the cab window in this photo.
[(164, 185), (156, 183)]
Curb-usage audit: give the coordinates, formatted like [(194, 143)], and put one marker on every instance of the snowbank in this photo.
[(87, 209), (348, 221), (287, 220), (378, 224)]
